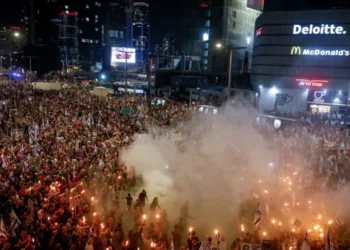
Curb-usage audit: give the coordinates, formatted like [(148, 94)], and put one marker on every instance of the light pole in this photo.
[(16, 35), (126, 68), (229, 68)]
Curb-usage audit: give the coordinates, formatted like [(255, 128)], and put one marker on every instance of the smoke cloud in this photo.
[(222, 166)]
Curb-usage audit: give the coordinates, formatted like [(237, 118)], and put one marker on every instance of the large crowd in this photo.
[(63, 185)]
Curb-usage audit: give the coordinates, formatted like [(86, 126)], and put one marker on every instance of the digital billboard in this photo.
[(256, 4), (121, 55)]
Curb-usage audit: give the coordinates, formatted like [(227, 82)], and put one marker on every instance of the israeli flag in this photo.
[(36, 150), (32, 137), (36, 130), (99, 117), (258, 215), (15, 222), (101, 164), (4, 162)]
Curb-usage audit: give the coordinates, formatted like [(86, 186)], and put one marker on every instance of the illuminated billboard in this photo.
[(121, 55), (256, 4)]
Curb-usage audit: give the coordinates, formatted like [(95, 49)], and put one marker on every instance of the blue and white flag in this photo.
[(4, 161), (21, 152), (101, 164), (258, 215), (95, 149), (15, 222), (32, 137), (36, 130), (47, 125), (36, 150), (329, 243), (25, 167), (99, 117)]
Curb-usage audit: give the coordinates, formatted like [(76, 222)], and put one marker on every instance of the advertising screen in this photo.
[(256, 4), (121, 55)]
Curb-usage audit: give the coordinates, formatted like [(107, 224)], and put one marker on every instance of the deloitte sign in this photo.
[(323, 29), (298, 51)]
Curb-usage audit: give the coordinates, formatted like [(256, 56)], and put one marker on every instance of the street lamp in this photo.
[(16, 34), (126, 67), (248, 39), (229, 68)]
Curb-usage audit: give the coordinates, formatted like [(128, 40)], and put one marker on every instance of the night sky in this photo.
[(164, 15)]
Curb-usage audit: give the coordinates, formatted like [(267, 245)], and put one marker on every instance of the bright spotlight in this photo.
[(248, 39), (16, 34), (103, 76), (260, 86), (336, 99), (274, 90), (205, 37), (219, 45)]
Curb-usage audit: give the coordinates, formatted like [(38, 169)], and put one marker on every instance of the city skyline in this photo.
[(159, 11)]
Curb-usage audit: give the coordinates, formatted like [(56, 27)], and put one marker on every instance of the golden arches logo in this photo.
[(296, 50)]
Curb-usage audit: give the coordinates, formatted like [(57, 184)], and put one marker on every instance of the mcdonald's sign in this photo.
[(296, 50)]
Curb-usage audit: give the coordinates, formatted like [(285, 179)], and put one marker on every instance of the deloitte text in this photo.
[(323, 29), (296, 50)]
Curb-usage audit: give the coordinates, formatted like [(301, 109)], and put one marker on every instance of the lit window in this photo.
[(96, 29), (96, 16), (87, 6), (207, 24), (38, 11), (98, 4), (80, 32), (84, 40), (87, 19), (96, 21), (67, 7), (67, 11), (96, 41), (91, 41), (206, 45)]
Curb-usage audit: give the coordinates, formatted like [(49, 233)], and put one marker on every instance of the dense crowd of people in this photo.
[(63, 185)]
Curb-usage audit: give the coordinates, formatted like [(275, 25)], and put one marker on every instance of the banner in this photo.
[(246, 246)]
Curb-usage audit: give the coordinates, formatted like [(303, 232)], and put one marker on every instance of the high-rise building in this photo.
[(232, 25), (141, 31), (116, 19), (91, 32)]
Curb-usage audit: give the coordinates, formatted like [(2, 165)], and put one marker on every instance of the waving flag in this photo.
[(258, 216), (4, 162), (31, 136), (101, 164), (15, 222)]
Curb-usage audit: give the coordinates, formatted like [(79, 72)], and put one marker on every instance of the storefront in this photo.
[(301, 60)]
